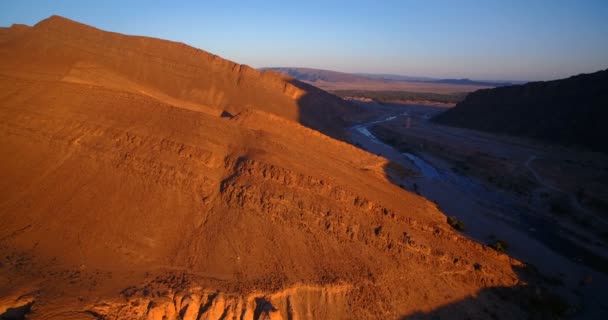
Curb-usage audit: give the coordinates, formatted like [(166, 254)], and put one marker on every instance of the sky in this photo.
[(482, 39)]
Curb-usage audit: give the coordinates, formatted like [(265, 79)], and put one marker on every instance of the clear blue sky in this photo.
[(482, 39)]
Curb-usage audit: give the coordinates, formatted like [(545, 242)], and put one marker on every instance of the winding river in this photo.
[(488, 214)]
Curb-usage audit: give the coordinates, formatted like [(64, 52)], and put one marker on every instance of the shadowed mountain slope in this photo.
[(570, 111), (128, 192)]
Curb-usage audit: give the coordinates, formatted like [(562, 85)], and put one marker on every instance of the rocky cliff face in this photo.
[(124, 196), (570, 111)]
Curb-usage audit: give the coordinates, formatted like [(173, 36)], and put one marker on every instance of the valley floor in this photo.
[(521, 192)]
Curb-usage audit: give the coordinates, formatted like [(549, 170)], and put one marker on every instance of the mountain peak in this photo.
[(56, 21)]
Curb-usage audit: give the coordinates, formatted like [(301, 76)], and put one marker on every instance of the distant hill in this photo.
[(314, 75), (388, 76), (474, 82), (570, 111)]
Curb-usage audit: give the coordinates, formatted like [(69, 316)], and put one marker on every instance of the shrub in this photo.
[(500, 245), (455, 223), (378, 230)]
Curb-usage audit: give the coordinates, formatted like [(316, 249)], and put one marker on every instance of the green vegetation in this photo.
[(477, 266), (455, 223), (388, 96)]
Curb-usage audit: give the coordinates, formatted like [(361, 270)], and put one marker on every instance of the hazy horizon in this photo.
[(517, 41)]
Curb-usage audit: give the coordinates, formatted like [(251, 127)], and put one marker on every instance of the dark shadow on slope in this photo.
[(529, 301), (262, 306), (327, 113), (499, 303), (568, 111), (18, 312), (226, 114)]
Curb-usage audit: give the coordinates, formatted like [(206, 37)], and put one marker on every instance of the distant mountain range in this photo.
[(477, 82), (388, 76), (570, 111), (314, 75)]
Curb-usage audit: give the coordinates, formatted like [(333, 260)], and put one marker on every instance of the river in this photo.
[(488, 214)]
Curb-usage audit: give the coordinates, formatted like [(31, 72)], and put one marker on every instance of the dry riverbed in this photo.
[(506, 190)]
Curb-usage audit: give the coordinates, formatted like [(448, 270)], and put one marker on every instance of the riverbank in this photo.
[(491, 214)]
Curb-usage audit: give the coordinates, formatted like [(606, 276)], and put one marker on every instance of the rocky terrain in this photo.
[(146, 179)]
